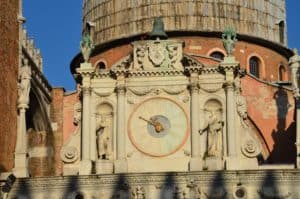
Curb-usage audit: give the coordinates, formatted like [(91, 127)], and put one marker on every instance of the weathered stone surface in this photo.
[(119, 19)]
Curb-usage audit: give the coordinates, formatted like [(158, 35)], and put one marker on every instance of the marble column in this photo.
[(86, 70), (196, 160), (86, 164), (121, 163), (230, 67), (230, 115), (21, 162)]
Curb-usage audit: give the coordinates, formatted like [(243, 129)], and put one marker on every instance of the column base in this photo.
[(214, 164), (104, 166), (20, 169), (85, 167), (196, 164), (121, 166)]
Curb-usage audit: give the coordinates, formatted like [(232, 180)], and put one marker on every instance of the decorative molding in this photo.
[(174, 90), (141, 91), (103, 94), (211, 87), (155, 73)]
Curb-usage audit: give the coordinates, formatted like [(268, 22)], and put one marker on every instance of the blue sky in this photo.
[(56, 28)]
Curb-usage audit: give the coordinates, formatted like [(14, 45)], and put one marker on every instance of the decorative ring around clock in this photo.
[(158, 127)]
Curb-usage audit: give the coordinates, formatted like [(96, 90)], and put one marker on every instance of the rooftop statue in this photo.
[(87, 44), (229, 39)]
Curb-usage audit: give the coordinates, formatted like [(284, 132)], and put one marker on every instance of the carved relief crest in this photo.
[(150, 55), (157, 53)]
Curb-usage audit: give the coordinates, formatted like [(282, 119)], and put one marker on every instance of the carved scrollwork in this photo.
[(69, 154), (250, 147)]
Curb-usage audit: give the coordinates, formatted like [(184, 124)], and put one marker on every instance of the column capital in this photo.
[(194, 81), (194, 87), (121, 89), (86, 90), (229, 85)]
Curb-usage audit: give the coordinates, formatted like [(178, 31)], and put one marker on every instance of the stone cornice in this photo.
[(253, 176)]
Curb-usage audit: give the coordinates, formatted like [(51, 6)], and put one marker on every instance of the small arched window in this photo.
[(281, 72), (281, 32), (254, 66), (217, 55), (101, 65)]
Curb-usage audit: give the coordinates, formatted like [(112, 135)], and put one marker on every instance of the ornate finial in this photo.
[(158, 31), (87, 44), (229, 39)]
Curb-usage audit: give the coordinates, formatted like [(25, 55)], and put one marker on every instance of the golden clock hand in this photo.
[(148, 121), (157, 125)]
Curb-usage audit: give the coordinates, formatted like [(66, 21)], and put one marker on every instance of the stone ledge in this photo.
[(257, 183)]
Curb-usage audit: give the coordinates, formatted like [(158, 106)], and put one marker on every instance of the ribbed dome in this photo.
[(117, 19)]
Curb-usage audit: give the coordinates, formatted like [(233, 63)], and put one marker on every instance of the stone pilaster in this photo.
[(230, 67), (196, 163), (121, 163), (85, 71)]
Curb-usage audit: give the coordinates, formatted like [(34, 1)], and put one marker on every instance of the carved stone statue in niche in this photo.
[(104, 128), (214, 128), (241, 104), (24, 84)]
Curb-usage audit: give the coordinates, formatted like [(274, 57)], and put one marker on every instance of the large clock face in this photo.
[(158, 127)]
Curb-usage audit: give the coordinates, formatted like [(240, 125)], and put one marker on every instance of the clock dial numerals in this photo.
[(158, 127)]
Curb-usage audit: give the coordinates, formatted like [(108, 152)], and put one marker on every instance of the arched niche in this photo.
[(104, 131), (213, 126)]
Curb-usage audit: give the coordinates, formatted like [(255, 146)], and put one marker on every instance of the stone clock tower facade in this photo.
[(176, 99)]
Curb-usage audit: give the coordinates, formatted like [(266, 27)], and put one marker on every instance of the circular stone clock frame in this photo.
[(158, 127)]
